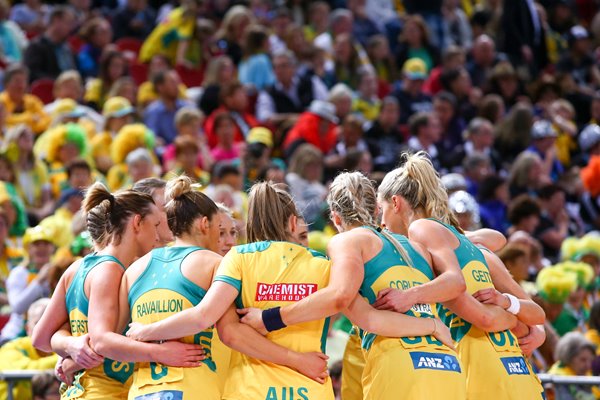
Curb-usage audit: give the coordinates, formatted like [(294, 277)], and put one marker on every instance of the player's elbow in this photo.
[(458, 285), (40, 341), (342, 299), (228, 335), (100, 344)]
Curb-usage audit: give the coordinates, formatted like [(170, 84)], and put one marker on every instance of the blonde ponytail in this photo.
[(420, 185), (269, 209), (353, 196)]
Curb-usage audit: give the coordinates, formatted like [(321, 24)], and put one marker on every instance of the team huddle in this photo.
[(436, 314)]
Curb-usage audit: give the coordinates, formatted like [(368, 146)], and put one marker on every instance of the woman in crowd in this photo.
[(274, 260), (123, 227), (574, 354)]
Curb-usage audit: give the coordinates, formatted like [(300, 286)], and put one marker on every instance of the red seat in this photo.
[(75, 43), (43, 88), (139, 72), (190, 77), (129, 44)]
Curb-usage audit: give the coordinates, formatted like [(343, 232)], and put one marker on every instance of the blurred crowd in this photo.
[(503, 96)]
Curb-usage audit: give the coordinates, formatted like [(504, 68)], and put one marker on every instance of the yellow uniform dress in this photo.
[(412, 367), (159, 292), (353, 365), (177, 26), (111, 379), (19, 354), (271, 274), (493, 362)]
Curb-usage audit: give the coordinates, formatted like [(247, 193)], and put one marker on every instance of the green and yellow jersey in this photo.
[(493, 362), (271, 274), (405, 367), (160, 291), (111, 379)]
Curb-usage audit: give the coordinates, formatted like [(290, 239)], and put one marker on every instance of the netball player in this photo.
[(125, 227), (413, 202), (273, 271)]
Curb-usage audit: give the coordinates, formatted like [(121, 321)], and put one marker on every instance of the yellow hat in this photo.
[(59, 228), (67, 108), (116, 107), (36, 234), (415, 68), (129, 138), (260, 135)]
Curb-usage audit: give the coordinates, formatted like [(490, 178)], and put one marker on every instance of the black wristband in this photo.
[(272, 319)]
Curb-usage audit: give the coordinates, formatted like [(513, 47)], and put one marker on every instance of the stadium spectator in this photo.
[(255, 69), (304, 180), (20, 355), (415, 42), (97, 34), (14, 42), (290, 94), (49, 54), (384, 138), (523, 214), (219, 72), (135, 19), (19, 106), (366, 102), (483, 59), (224, 129), (113, 66), (147, 93), (233, 99), (574, 354), (30, 16), (172, 36), (230, 35), (425, 131), (411, 96), (315, 126), (69, 85), (522, 35), (160, 114), (29, 281)]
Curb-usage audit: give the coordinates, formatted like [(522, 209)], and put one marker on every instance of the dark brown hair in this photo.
[(185, 205), (108, 214)]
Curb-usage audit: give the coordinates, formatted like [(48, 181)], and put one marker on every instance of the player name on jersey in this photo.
[(284, 291), (159, 306)]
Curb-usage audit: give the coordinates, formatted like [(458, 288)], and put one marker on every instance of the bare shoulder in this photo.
[(353, 238), (138, 266), (69, 274), (419, 248), (431, 233), (209, 256)]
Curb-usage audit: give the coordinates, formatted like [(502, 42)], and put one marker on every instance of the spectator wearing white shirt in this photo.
[(29, 281)]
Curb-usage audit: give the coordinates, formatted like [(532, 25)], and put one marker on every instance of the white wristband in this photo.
[(515, 304)]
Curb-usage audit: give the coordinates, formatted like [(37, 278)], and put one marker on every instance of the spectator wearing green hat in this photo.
[(574, 314), (66, 144)]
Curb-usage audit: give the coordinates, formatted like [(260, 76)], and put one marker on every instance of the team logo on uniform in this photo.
[(515, 365), (284, 291), (437, 361)]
